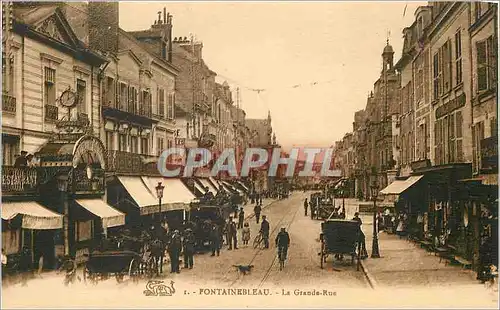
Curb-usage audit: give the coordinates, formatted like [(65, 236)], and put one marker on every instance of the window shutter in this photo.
[(482, 69)]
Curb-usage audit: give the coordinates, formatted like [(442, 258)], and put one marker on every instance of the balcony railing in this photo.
[(125, 162), (136, 108), (19, 180), (8, 103)]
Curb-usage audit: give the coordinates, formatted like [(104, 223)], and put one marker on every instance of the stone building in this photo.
[(261, 131), (52, 204), (483, 84), (195, 87)]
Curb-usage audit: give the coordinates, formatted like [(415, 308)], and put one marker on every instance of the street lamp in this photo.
[(159, 193), (374, 192), (343, 199)]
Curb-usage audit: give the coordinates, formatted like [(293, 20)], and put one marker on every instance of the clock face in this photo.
[(67, 99)]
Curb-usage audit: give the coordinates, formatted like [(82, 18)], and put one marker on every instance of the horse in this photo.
[(157, 249)]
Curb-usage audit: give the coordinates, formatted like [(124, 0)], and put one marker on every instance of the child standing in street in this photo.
[(245, 234)]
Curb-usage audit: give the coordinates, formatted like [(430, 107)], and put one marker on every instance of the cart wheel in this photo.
[(352, 258)]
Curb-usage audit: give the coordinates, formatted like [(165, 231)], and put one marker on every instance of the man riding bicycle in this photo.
[(283, 242)]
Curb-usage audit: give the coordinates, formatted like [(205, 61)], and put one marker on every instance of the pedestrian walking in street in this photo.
[(215, 240), (245, 234), (256, 210), (174, 251), (361, 238), (232, 235), (264, 230), (241, 218), (188, 248), (306, 205)]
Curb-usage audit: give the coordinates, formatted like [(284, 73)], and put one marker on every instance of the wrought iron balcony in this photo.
[(135, 108), (8, 103), (132, 163), (19, 180)]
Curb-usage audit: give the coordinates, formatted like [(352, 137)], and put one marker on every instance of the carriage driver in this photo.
[(283, 242)]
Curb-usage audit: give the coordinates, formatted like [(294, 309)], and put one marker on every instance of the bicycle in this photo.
[(258, 240), (281, 258)]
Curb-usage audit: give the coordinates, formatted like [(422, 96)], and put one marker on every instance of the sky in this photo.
[(286, 47)]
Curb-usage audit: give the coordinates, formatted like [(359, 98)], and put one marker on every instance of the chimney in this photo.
[(103, 19), (164, 15)]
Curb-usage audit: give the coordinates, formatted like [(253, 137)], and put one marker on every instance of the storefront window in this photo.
[(83, 231)]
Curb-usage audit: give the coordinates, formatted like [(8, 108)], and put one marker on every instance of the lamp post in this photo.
[(159, 193), (374, 192), (343, 199)]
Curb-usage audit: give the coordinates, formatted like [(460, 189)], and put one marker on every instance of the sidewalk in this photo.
[(403, 263)]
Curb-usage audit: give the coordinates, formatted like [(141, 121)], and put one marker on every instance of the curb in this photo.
[(369, 277)]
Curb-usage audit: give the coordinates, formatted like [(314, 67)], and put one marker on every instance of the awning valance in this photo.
[(399, 186), (141, 194), (176, 196), (205, 183), (34, 216), (110, 216)]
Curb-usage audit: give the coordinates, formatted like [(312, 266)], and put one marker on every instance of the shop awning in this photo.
[(34, 216), (141, 194), (109, 215), (205, 183), (399, 186), (176, 196), (214, 181), (198, 187), (243, 185)]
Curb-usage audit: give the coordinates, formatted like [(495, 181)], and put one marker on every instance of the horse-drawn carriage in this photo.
[(340, 237), (125, 255), (204, 217), (103, 265), (322, 206)]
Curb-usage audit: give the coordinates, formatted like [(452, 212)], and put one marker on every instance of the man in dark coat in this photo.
[(257, 209), (306, 205), (215, 238), (283, 241), (264, 230), (232, 238), (361, 237), (188, 248), (21, 161), (174, 251), (241, 218)]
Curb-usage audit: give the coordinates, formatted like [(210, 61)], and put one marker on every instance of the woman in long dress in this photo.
[(400, 228)]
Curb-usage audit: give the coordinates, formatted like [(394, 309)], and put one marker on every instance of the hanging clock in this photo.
[(68, 99)]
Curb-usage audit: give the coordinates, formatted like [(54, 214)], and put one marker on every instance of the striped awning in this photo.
[(34, 216), (109, 215), (176, 196), (140, 193), (206, 183), (399, 186)]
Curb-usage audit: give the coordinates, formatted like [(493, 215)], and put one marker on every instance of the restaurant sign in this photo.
[(489, 153)]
